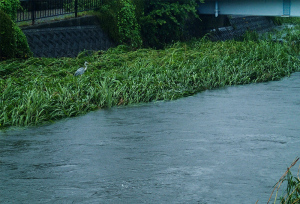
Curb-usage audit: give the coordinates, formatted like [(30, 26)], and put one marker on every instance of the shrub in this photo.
[(118, 19), (164, 21), (13, 42), (129, 29), (81, 5), (155, 23), (10, 7), (7, 38), (108, 17), (23, 50)]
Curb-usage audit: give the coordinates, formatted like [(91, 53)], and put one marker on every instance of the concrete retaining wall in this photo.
[(240, 25), (66, 38)]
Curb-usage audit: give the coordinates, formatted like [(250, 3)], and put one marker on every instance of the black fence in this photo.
[(31, 10)]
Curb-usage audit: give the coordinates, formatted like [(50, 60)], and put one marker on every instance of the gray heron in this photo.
[(81, 70)]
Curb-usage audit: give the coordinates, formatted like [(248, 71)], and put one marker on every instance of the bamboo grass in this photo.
[(38, 90)]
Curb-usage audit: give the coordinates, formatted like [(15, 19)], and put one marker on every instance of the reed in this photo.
[(291, 194), (38, 90)]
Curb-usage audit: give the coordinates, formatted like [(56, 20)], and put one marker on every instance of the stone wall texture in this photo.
[(66, 38), (239, 25), (70, 37)]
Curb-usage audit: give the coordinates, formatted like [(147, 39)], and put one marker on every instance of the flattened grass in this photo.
[(37, 90)]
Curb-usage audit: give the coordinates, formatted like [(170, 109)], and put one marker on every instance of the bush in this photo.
[(23, 50), (108, 17), (13, 42), (129, 29), (7, 38), (10, 7), (164, 21), (155, 23), (118, 19)]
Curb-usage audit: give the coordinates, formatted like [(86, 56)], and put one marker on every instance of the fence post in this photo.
[(76, 8), (32, 2)]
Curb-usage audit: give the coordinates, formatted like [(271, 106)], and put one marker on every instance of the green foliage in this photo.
[(139, 7), (129, 29), (291, 194), (250, 36), (118, 19), (164, 21), (22, 47), (81, 6), (154, 23), (108, 18), (13, 42), (45, 89), (7, 38), (10, 7), (286, 20)]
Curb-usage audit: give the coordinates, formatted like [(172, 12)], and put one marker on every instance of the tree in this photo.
[(7, 38), (154, 23), (129, 29), (13, 42), (10, 7), (164, 20)]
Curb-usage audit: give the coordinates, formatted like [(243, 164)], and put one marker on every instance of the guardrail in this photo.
[(30, 10)]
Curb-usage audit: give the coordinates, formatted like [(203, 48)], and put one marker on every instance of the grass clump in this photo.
[(286, 20), (37, 90), (291, 194)]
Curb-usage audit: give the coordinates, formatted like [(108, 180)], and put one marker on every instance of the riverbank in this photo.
[(39, 90)]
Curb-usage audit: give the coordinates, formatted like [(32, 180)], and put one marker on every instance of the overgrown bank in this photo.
[(37, 90)]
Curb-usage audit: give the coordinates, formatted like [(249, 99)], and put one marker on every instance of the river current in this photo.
[(229, 145)]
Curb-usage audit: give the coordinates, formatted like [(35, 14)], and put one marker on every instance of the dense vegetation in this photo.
[(44, 89), (289, 20), (7, 39), (13, 42), (38, 90), (10, 7), (147, 23), (291, 194)]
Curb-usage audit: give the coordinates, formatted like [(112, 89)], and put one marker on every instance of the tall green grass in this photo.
[(291, 194), (38, 90), (286, 20)]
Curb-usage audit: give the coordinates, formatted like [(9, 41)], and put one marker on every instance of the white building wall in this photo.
[(249, 7), (295, 8)]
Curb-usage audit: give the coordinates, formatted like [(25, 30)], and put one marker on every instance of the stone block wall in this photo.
[(66, 38), (239, 25)]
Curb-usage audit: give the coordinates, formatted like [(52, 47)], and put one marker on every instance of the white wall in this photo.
[(249, 7), (295, 8)]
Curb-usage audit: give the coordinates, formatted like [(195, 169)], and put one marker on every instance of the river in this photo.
[(229, 145)]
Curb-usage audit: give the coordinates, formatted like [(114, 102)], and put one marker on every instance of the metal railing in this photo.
[(31, 10)]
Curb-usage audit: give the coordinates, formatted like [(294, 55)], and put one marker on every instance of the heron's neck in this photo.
[(85, 67)]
